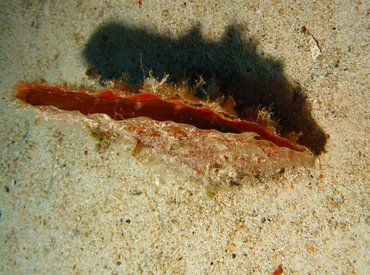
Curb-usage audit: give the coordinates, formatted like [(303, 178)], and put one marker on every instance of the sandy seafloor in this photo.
[(67, 207)]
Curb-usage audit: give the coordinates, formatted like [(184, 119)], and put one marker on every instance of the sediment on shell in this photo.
[(236, 155)]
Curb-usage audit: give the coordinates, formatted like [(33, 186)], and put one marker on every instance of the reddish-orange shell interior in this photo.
[(142, 105)]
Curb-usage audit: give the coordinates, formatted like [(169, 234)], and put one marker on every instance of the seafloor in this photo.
[(73, 201)]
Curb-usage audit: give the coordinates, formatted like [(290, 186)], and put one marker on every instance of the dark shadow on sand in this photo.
[(232, 63)]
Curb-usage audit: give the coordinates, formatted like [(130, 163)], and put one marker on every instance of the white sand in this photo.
[(68, 207)]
